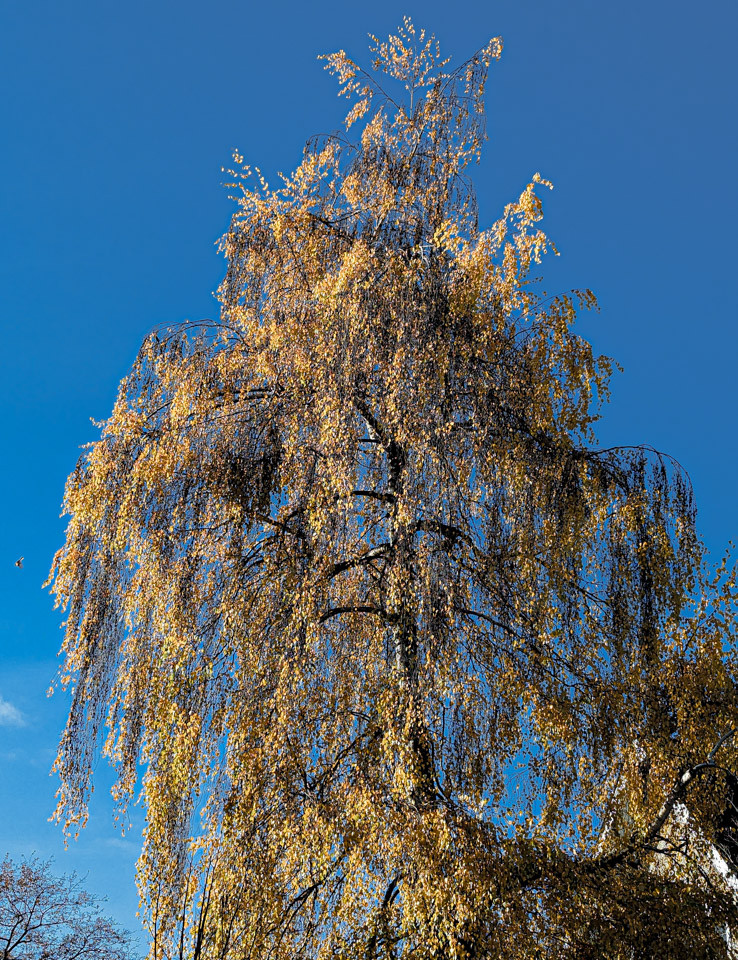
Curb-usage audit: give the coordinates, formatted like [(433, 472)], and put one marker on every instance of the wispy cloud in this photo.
[(10, 716), (118, 843)]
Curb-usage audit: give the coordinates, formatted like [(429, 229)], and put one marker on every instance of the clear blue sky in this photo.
[(116, 119)]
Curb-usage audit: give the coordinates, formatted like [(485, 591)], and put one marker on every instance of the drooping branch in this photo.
[(332, 612)]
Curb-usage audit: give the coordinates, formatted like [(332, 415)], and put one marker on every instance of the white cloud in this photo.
[(10, 716), (118, 843)]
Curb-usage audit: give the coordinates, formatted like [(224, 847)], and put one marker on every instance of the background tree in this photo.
[(43, 917), (414, 667)]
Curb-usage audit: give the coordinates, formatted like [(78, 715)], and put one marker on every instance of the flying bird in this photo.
[(19, 562)]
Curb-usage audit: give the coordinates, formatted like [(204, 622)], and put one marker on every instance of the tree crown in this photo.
[(43, 917)]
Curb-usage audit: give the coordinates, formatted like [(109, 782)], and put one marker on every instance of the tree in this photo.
[(44, 917), (415, 668)]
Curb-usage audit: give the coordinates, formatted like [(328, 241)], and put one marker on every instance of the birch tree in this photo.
[(409, 664)]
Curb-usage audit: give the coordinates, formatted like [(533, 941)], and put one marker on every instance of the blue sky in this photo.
[(116, 120)]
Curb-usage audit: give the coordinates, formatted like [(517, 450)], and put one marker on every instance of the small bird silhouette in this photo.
[(19, 562)]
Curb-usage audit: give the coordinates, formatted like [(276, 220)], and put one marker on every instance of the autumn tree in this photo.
[(44, 917), (414, 667)]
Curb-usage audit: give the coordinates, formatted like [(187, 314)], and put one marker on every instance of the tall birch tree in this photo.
[(407, 664)]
